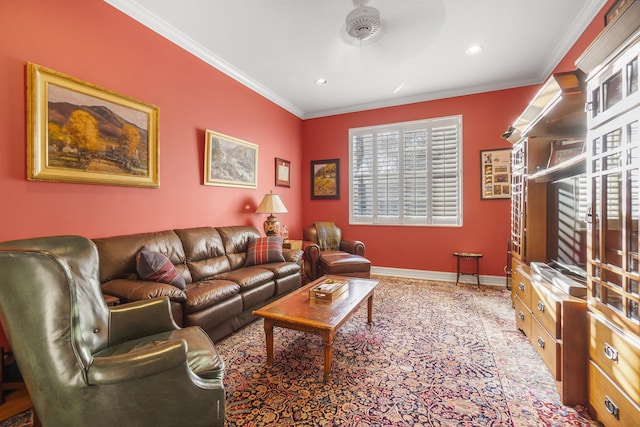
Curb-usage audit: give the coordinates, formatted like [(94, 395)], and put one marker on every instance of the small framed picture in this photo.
[(495, 170), (325, 179), (283, 173)]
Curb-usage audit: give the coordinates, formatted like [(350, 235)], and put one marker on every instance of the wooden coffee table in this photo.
[(323, 318)]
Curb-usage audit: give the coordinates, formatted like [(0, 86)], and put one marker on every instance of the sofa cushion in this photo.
[(204, 251), (248, 277), (282, 269), (135, 290), (118, 253), (206, 293), (154, 266), (264, 250), (236, 240)]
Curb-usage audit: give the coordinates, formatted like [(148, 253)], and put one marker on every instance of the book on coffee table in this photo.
[(328, 289)]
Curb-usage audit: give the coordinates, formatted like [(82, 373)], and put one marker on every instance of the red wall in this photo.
[(485, 222), (92, 41)]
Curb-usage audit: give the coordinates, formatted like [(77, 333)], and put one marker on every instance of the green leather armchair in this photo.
[(86, 364)]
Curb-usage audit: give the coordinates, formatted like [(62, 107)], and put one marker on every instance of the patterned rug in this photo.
[(437, 355)]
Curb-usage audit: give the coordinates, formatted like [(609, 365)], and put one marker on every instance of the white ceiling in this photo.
[(280, 47)]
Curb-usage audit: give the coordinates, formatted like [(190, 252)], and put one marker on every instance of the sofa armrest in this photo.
[(139, 364), (311, 259), (293, 255), (136, 290), (355, 247), (140, 318)]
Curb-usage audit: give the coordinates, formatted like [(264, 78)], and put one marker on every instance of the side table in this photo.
[(475, 258)]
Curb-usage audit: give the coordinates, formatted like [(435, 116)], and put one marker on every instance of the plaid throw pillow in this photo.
[(264, 250), (154, 266)]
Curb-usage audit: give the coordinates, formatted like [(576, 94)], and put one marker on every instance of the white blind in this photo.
[(407, 173)]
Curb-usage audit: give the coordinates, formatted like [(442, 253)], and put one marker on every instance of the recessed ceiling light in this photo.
[(321, 82), (474, 49)]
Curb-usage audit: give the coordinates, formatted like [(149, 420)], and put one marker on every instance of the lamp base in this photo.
[(271, 226)]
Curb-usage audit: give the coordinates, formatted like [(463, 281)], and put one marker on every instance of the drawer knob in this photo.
[(521, 286), (521, 315), (541, 306), (610, 352), (540, 342), (611, 407)]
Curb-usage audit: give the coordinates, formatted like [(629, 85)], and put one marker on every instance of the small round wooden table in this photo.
[(471, 256)]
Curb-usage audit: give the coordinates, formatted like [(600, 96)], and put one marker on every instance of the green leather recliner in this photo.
[(86, 364)]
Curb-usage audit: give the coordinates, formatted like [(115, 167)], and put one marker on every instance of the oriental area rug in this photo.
[(437, 355)]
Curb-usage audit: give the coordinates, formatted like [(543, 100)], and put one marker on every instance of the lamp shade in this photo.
[(271, 204)]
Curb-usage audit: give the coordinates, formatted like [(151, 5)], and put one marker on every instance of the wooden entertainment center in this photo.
[(566, 164), (554, 320)]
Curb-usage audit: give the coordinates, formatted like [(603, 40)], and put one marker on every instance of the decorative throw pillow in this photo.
[(264, 250), (154, 266)]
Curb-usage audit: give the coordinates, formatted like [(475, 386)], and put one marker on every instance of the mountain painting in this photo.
[(87, 133), (230, 161), (82, 133)]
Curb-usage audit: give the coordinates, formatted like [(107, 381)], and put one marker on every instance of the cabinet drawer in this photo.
[(616, 355), (548, 348), (523, 316), (609, 405), (547, 310), (521, 284)]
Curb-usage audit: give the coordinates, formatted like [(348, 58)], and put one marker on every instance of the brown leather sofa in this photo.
[(221, 292), (346, 258)]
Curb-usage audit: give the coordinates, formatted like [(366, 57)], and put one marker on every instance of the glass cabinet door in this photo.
[(615, 163), (518, 157), (614, 171)]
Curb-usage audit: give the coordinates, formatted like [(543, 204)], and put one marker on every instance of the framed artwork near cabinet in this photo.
[(81, 133), (495, 174)]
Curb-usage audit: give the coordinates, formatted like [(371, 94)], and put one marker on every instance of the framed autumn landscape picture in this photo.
[(325, 179), (79, 132)]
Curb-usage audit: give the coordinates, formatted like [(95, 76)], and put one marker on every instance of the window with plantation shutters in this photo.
[(407, 173)]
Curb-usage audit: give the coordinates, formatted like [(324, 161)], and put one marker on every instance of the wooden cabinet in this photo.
[(613, 167), (556, 325), (554, 321)]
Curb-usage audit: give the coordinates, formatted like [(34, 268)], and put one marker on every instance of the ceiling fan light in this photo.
[(363, 23)]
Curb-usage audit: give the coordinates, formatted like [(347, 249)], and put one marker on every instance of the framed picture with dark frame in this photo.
[(81, 133), (325, 179), (495, 174), (283, 173)]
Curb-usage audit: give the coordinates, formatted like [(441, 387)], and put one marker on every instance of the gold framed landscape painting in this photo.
[(229, 161), (79, 132)]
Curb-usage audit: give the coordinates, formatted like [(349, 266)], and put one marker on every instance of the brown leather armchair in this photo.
[(86, 364), (326, 252)]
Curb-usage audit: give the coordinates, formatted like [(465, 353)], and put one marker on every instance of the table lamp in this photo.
[(271, 204)]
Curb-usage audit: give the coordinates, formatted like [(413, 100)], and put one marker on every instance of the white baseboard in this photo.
[(438, 275)]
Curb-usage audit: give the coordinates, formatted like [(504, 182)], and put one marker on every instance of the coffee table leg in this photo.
[(268, 332), (370, 310), (328, 350)]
